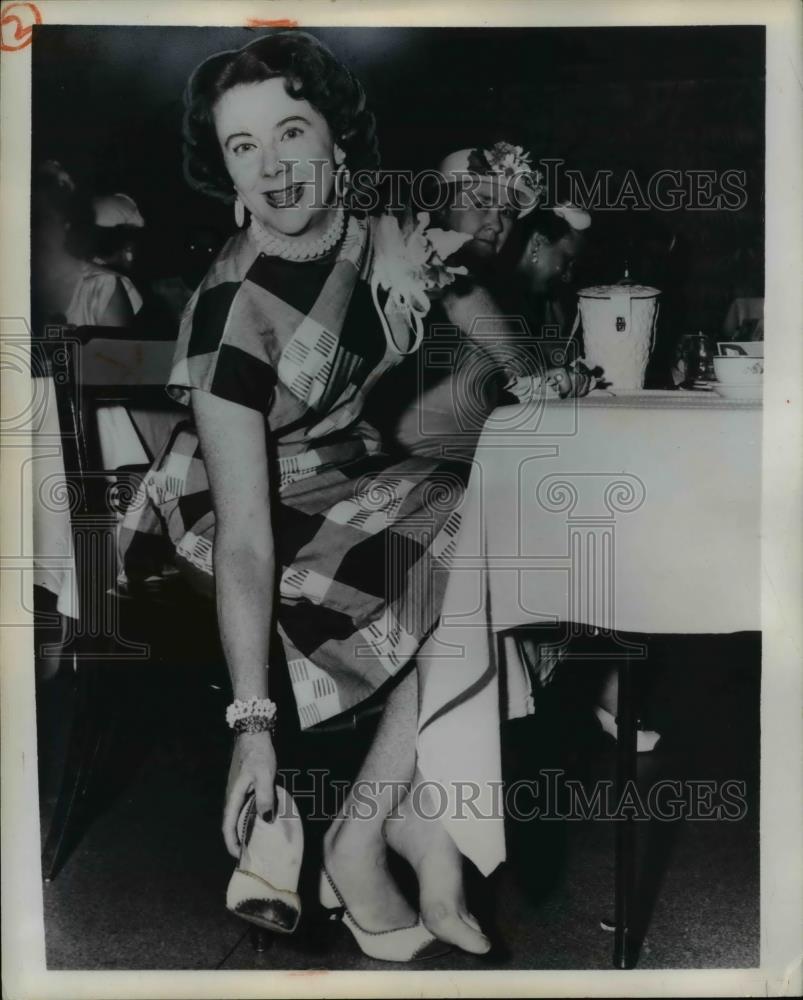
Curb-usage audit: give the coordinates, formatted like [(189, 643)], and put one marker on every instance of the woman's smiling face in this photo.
[(278, 151)]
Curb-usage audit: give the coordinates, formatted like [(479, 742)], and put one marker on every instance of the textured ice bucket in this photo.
[(619, 330)]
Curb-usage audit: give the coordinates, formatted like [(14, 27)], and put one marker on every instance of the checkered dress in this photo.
[(363, 542)]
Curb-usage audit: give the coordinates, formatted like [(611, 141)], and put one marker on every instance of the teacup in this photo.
[(751, 348), (739, 377), (733, 370)]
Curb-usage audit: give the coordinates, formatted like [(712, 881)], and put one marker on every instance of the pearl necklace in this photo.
[(290, 249)]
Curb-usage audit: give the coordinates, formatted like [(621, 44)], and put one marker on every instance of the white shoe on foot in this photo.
[(402, 944)]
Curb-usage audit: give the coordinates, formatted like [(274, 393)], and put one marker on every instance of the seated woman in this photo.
[(277, 498), (67, 287), (536, 265), (118, 232), (437, 401)]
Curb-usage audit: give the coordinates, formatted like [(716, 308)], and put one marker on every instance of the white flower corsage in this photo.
[(409, 263)]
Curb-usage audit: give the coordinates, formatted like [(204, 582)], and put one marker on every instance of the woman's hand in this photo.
[(568, 383), (253, 767)]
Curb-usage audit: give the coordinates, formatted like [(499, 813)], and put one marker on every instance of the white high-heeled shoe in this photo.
[(264, 887), (401, 944)]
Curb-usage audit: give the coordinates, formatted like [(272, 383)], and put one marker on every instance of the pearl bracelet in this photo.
[(257, 715)]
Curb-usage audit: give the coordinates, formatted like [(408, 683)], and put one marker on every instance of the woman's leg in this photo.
[(354, 848), (427, 847), (423, 841), (355, 851)]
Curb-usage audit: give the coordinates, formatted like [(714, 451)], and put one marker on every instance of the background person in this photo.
[(118, 233), (537, 267), (67, 286), (437, 402)]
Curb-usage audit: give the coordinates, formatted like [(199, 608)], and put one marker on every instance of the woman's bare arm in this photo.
[(234, 446), (476, 310), (503, 338)]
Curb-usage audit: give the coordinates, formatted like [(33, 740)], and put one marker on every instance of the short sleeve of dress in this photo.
[(222, 347), (94, 292)]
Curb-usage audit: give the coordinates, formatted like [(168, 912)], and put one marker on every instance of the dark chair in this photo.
[(626, 943), (91, 367)]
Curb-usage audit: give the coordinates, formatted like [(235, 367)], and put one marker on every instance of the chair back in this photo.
[(95, 367), (94, 370)]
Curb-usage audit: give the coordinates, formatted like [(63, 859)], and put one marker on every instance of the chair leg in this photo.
[(260, 939), (86, 739), (624, 951)]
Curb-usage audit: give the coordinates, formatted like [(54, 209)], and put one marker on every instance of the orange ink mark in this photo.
[(280, 22), (16, 25), (111, 361)]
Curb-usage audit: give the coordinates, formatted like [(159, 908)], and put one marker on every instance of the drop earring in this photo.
[(534, 251), (239, 212), (342, 175)]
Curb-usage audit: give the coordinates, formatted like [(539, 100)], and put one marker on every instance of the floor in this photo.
[(144, 886)]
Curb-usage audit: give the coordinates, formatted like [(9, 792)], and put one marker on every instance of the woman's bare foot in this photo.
[(356, 861), (425, 844)]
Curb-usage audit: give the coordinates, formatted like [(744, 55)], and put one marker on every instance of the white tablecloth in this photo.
[(634, 513), (53, 558), (120, 444)]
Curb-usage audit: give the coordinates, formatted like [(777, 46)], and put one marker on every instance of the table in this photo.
[(637, 512), (126, 437), (51, 501)]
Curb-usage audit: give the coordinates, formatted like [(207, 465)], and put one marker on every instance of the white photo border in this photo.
[(24, 970)]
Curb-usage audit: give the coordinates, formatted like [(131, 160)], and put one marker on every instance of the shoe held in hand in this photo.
[(264, 886)]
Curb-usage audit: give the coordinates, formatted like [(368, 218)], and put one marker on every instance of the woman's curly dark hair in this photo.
[(311, 73)]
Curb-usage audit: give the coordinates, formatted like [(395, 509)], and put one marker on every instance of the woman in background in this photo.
[(67, 287), (536, 266), (475, 346), (119, 228)]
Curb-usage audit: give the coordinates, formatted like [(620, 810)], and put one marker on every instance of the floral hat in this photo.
[(504, 162)]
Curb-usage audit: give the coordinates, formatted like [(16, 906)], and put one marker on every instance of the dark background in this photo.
[(107, 103)]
